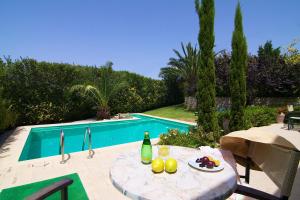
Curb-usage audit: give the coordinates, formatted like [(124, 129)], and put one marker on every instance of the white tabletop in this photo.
[(137, 181)]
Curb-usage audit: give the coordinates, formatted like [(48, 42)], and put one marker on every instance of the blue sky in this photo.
[(136, 35)]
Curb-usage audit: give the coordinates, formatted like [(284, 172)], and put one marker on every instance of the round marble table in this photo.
[(137, 181)]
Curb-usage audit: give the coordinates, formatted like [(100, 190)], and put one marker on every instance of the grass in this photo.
[(173, 112), (75, 190)]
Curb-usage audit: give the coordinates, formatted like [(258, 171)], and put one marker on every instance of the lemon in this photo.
[(217, 163), (210, 158), (158, 165), (171, 165)]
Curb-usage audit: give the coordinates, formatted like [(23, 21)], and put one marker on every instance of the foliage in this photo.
[(78, 106), (292, 54), (272, 73), (267, 54), (255, 116), (237, 74), (252, 79), (222, 116), (260, 116), (206, 75), (45, 112), (279, 79), (174, 91), (297, 108), (126, 100), (222, 63), (29, 84), (40, 92), (8, 117), (153, 92), (193, 138), (101, 93), (184, 67)]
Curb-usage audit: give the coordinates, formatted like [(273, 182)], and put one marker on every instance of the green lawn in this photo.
[(76, 189), (174, 112)]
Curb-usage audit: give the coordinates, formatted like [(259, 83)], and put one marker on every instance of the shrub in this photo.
[(193, 138), (222, 116), (255, 116), (45, 112), (126, 100), (40, 91), (260, 116), (8, 117), (296, 108)]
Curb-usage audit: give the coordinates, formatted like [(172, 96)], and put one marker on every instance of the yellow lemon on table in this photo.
[(158, 165), (171, 165)]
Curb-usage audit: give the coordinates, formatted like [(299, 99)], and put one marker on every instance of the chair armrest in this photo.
[(254, 193), (47, 191)]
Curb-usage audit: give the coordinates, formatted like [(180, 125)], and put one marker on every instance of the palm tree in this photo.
[(102, 91), (185, 67)]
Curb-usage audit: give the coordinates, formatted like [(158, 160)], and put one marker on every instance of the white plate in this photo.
[(192, 163)]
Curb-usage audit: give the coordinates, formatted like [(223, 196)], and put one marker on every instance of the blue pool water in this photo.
[(44, 142)]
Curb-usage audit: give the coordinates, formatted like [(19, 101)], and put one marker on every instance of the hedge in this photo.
[(39, 92), (255, 116)]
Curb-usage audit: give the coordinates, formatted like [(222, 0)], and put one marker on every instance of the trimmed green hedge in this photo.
[(255, 116), (39, 92), (260, 116)]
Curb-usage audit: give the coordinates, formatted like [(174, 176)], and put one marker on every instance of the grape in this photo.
[(210, 164), (202, 164), (205, 159)]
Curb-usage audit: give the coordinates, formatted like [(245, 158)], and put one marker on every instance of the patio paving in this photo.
[(94, 173)]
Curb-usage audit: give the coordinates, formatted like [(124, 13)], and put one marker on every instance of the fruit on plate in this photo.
[(217, 163), (208, 162), (210, 158), (205, 159), (171, 165), (158, 165)]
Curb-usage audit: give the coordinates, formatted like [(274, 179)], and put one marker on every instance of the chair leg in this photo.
[(247, 170), (64, 193), (284, 198)]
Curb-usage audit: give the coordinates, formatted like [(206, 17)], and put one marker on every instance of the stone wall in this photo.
[(224, 102)]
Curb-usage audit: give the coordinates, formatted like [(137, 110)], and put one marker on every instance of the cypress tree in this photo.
[(206, 96), (237, 73)]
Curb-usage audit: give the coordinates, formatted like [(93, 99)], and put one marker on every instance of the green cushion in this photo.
[(75, 190)]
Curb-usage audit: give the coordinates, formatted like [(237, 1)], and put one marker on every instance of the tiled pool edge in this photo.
[(169, 119), (21, 133)]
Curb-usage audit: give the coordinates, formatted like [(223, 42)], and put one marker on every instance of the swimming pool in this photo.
[(44, 141)]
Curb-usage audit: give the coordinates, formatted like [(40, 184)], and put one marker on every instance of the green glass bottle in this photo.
[(146, 151)]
